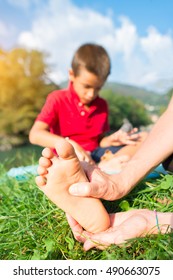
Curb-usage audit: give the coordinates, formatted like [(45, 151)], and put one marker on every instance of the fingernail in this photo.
[(78, 189), (73, 190)]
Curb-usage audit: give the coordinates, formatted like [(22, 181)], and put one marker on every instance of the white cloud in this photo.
[(60, 27), (158, 50), (7, 31), (3, 29), (125, 37)]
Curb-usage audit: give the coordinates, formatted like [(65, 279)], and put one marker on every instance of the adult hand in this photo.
[(124, 226), (100, 185)]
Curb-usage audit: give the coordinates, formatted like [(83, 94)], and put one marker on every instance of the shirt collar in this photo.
[(73, 92)]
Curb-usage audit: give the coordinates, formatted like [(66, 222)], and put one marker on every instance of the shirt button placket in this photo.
[(82, 113)]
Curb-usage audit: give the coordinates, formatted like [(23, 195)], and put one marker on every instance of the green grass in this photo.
[(31, 227), (18, 156)]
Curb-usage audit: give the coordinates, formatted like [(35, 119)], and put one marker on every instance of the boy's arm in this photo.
[(40, 135)]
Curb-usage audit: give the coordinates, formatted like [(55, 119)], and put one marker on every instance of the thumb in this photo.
[(86, 189)]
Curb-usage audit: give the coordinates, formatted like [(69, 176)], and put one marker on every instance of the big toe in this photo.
[(64, 149)]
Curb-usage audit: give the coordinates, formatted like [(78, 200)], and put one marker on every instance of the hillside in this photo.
[(146, 96)]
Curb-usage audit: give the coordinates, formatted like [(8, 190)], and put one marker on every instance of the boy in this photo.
[(78, 113)]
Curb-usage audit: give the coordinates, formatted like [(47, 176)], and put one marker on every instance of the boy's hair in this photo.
[(93, 58)]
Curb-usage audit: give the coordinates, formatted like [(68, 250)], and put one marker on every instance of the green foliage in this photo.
[(23, 89), (163, 107), (145, 96), (170, 93), (121, 107)]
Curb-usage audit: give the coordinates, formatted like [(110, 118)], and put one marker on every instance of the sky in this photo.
[(138, 35)]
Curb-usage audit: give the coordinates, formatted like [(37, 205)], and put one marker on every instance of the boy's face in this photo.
[(87, 85)]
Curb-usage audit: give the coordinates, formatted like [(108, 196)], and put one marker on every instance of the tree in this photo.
[(23, 89), (170, 93), (121, 107)]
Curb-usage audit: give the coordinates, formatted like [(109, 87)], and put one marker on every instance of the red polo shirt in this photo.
[(66, 116)]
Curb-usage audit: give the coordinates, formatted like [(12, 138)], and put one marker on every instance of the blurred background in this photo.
[(38, 39)]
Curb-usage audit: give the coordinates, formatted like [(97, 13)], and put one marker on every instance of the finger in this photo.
[(76, 228), (72, 222), (88, 168), (80, 189), (134, 136), (96, 189), (89, 244), (86, 189), (129, 142), (96, 241), (117, 236), (91, 162), (134, 130)]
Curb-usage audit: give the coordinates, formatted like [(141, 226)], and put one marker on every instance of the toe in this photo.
[(40, 181), (45, 162), (64, 149), (41, 170), (47, 153)]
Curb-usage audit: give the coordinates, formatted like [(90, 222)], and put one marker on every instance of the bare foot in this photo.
[(57, 174)]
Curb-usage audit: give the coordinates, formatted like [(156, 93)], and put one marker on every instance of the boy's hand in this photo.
[(121, 137), (81, 153), (84, 156)]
